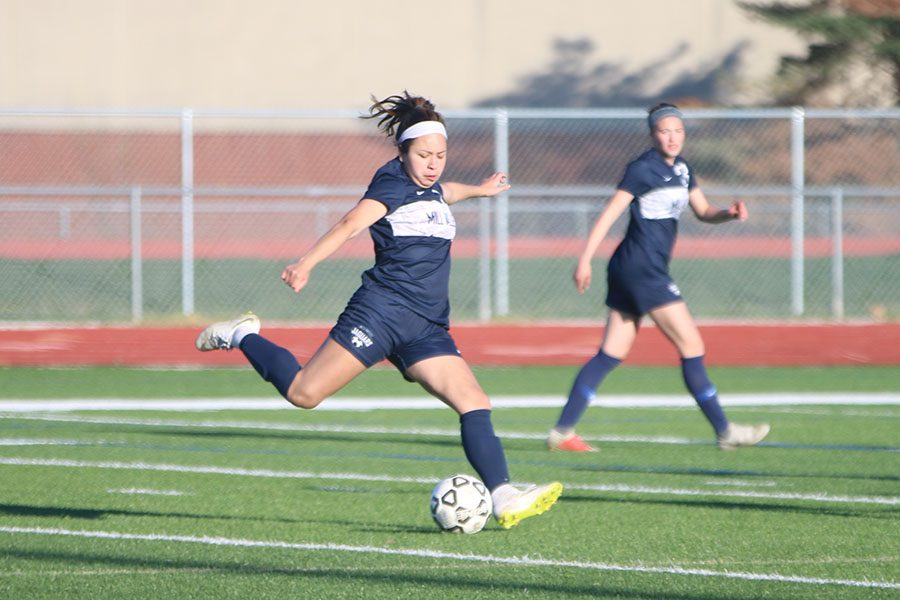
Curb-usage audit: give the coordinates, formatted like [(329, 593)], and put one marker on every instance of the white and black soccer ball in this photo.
[(461, 504)]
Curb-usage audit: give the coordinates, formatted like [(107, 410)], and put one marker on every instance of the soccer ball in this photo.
[(461, 504)]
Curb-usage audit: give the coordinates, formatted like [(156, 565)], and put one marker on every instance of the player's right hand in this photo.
[(295, 276), (582, 277)]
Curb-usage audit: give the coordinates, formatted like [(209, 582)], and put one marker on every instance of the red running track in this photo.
[(524, 344)]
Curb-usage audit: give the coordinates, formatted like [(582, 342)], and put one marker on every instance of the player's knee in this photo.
[(475, 400), (304, 398), (691, 345)]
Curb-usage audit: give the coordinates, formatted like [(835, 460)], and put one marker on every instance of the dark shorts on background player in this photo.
[(373, 328)]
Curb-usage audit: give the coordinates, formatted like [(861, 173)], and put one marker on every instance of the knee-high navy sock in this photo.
[(275, 364), (483, 448), (704, 392), (589, 378)]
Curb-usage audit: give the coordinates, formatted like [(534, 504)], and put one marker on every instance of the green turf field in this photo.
[(114, 382), (334, 503)]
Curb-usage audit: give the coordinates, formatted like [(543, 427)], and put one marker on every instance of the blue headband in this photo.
[(661, 113)]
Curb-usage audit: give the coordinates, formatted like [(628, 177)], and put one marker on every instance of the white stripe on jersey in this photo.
[(664, 203), (423, 219)]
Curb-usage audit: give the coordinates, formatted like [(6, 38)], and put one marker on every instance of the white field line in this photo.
[(46, 442), (741, 483), (300, 427), (825, 412), (268, 473), (145, 492), (516, 561), (364, 404)]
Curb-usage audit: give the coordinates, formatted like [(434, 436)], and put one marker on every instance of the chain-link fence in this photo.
[(174, 216)]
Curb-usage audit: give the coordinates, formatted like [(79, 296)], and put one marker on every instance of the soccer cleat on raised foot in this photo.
[(742, 435), (218, 336), (568, 443), (530, 502)]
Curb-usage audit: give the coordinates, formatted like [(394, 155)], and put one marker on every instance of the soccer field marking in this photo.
[(40, 442), (829, 560), (146, 492), (741, 483), (516, 561), (429, 403), (308, 428), (821, 412), (269, 473)]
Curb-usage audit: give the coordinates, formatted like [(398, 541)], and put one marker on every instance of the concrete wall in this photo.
[(334, 54)]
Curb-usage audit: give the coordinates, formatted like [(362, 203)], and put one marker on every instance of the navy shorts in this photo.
[(374, 327), (639, 295)]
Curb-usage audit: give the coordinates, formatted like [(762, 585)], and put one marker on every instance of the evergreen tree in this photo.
[(853, 57)]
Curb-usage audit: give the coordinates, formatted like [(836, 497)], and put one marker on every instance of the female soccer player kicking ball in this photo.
[(657, 186), (401, 311)]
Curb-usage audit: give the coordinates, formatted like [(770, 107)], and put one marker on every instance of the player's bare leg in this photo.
[(450, 379)]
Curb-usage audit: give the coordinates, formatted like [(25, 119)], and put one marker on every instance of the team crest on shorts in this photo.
[(674, 289), (360, 337)]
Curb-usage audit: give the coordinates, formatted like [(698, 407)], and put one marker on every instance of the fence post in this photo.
[(137, 279), (484, 259), (65, 223), (797, 185), (501, 208), (837, 253), (187, 212)]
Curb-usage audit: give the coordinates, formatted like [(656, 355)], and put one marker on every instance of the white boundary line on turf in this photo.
[(420, 403), (434, 554), (269, 473), (304, 427), (301, 427)]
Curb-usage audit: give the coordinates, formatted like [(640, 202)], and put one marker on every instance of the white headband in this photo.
[(422, 128)]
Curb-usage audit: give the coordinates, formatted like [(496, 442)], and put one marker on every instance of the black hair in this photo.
[(398, 113)]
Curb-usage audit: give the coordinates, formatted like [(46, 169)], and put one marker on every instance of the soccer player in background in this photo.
[(401, 311), (657, 186)]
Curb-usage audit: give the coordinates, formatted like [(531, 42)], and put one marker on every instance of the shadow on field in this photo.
[(446, 585), (23, 510), (306, 436), (877, 513)]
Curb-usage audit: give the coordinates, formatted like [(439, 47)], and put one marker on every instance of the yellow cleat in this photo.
[(531, 502)]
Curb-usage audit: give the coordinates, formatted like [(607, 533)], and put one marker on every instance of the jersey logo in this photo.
[(360, 338), (420, 192), (681, 171)]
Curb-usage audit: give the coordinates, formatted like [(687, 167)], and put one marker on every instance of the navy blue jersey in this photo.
[(412, 243), (660, 195)]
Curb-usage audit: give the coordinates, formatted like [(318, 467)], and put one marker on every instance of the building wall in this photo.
[(305, 54)]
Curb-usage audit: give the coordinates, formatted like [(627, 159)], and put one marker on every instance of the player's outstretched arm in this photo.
[(357, 219), (713, 214), (493, 185)]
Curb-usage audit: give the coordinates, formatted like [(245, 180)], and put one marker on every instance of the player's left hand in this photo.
[(495, 184), (295, 276), (738, 211)]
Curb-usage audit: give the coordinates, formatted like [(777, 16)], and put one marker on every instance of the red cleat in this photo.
[(568, 443)]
